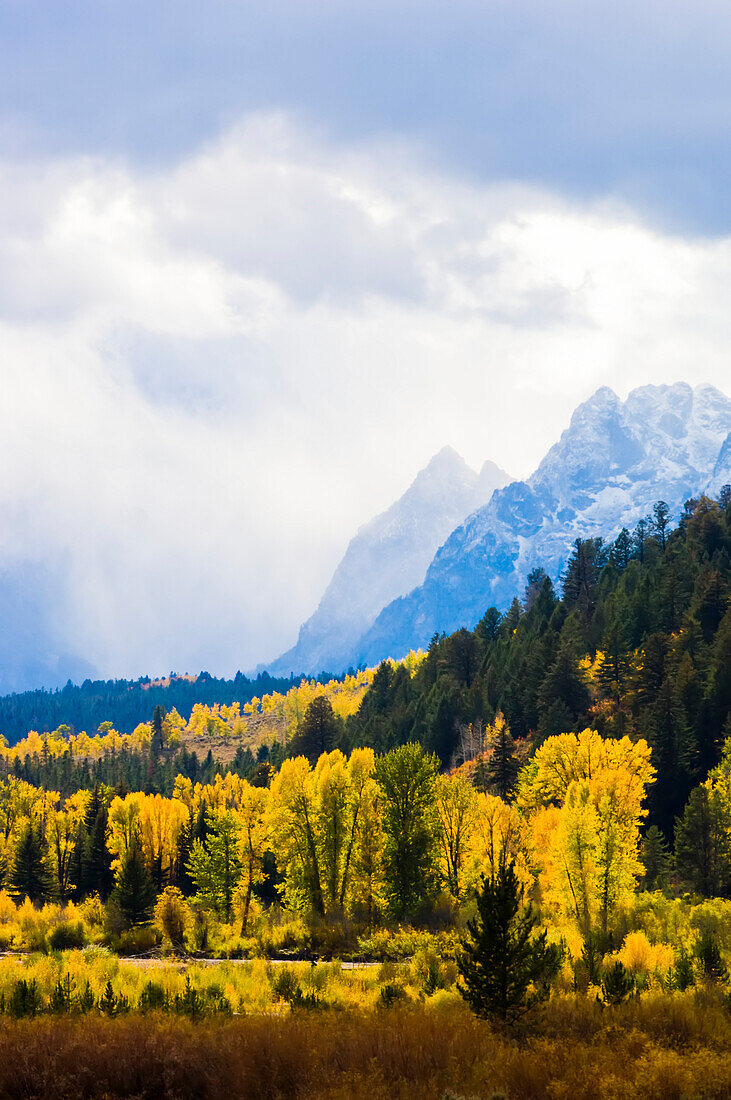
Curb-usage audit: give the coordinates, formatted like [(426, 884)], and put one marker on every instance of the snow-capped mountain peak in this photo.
[(606, 471), (388, 557)]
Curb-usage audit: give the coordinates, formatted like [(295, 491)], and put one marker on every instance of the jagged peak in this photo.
[(445, 459), (602, 402), (491, 469)]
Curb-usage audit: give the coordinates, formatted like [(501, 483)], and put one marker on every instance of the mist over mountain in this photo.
[(33, 648), (606, 471), (388, 557)]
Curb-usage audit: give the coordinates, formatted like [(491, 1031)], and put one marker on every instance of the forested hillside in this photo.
[(638, 642), (125, 703)]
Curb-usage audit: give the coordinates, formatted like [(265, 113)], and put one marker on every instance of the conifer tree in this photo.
[(655, 859), (134, 892), (621, 552), (702, 851), (28, 875), (96, 858), (502, 765), (581, 578), (660, 521), (318, 731), (501, 957), (158, 731)]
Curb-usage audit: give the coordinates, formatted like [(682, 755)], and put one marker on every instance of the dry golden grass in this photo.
[(663, 1049)]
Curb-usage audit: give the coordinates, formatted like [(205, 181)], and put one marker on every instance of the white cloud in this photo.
[(214, 373)]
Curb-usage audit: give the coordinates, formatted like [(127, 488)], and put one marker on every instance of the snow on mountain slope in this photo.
[(722, 469), (387, 558), (606, 471)]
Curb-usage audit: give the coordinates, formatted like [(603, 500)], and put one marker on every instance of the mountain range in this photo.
[(612, 463), (389, 556)]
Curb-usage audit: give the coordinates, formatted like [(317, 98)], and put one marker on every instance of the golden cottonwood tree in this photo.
[(315, 824), (61, 833), (497, 840), (584, 796), (251, 816), (457, 807), (123, 825), (159, 823)]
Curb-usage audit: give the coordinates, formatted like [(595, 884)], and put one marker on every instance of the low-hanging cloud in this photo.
[(213, 373)]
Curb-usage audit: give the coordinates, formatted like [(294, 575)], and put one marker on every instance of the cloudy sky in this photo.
[(258, 262)]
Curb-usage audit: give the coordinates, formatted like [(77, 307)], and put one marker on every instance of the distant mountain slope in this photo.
[(722, 470), (606, 471), (33, 650), (387, 558)]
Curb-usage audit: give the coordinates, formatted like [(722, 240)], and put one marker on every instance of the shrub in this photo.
[(172, 916), (137, 941), (8, 911), (428, 970), (683, 974), (285, 983), (392, 994), (310, 1001), (67, 936)]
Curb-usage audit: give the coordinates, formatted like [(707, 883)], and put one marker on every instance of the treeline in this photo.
[(365, 838), (638, 643), (126, 703), (138, 769)]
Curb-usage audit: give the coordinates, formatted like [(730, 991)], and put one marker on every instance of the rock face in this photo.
[(722, 469), (387, 558), (606, 471)]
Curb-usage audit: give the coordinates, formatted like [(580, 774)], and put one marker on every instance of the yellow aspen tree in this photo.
[(331, 802), (61, 835), (292, 823), (123, 825), (457, 808), (498, 839), (183, 790), (574, 850), (365, 883), (251, 814), (361, 793), (159, 822)]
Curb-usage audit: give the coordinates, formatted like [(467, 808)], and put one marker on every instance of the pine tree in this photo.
[(621, 552), (28, 875), (96, 858), (655, 859), (672, 754), (616, 664), (701, 844), (502, 765), (157, 739), (318, 731), (134, 892), (501, 957), (660, 521), (581, 579)]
